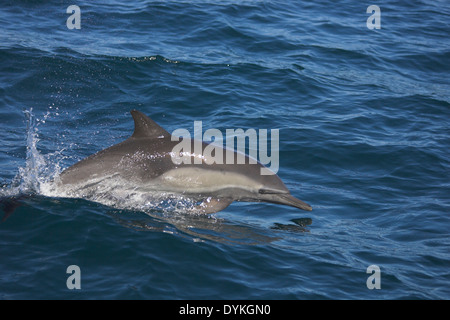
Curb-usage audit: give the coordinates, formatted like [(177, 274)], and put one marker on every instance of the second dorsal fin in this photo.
[(144, 127)]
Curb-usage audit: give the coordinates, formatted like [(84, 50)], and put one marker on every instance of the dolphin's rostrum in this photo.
[(145, 161)]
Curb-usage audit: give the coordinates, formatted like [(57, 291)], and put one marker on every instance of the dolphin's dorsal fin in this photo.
[(144, 127)]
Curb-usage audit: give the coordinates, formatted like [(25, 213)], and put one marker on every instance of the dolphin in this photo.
[(144, 163)]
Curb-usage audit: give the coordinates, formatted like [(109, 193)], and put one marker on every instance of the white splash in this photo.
[(37, 169)]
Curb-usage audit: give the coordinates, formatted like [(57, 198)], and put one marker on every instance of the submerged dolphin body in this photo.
[(144, 163)]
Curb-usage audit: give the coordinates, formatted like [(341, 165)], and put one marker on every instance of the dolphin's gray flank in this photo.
[(145, 159)]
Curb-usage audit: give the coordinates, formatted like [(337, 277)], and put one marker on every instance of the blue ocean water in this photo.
[(363, 116)]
